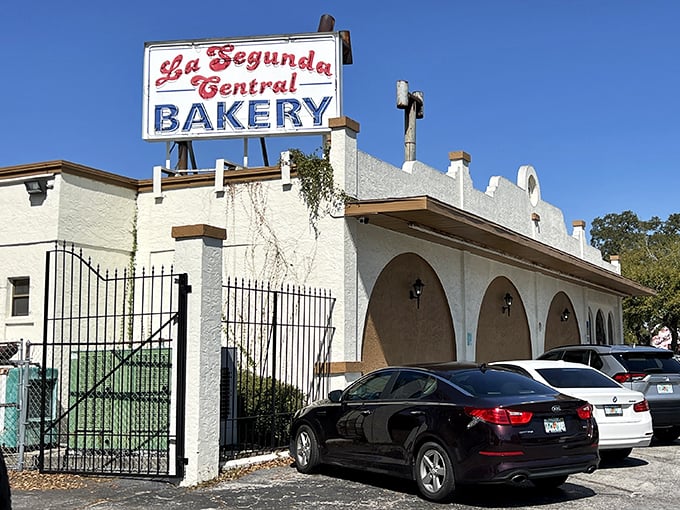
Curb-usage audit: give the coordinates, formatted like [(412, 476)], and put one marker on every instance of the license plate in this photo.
[(664, 388), (554, 425), (613, 411)]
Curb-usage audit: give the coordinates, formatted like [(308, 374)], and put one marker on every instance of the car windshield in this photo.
[(484, 383), (562, 377), (649, 362)]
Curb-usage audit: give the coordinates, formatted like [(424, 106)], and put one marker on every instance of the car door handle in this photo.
[(417, 413), (365, 412)]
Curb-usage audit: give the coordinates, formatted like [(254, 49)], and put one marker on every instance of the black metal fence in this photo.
[(274, 362), (112, 368)]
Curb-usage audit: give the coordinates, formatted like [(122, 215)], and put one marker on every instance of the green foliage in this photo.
[(317, 186), (264, 416), (650, 255), (130, 284), (617, 233)]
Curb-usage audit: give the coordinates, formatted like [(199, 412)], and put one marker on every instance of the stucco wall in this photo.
[(502, 201), (99, 216), (465, 278), (269, 236), (29, 228), (29, 218)]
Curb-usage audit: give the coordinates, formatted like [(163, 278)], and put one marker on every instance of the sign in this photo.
[(241, 87)]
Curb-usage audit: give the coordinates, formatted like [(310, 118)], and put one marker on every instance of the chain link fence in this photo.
[(21, 394)]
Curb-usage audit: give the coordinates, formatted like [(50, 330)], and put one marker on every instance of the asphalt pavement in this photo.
[(647, 479)]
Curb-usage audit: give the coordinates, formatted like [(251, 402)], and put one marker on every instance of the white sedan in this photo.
[(622, 415)]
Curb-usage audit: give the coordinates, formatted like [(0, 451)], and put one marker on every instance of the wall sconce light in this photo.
[(36, 186), (507, 299), (564, 316), (416, 291)]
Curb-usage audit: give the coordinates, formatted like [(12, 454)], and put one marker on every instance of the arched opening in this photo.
[(600, 334), (610, 329), (401, 330), (561, 326), (502, 327)]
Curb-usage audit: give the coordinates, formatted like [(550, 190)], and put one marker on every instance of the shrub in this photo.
[(264, 415)]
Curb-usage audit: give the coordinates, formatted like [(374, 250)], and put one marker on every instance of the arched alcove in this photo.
[(561, 326), (600, 333), (502, 331), (400, 330)]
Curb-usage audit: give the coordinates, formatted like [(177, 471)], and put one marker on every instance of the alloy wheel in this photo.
[(432, 470), (303, 448)]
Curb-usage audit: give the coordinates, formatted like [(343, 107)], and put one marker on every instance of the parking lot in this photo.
[(647, 479)]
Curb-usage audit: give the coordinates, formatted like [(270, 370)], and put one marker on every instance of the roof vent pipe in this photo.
[(412, 103)]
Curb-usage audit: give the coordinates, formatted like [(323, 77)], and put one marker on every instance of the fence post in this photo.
[(198, 252), (275, 341), (24, 378)]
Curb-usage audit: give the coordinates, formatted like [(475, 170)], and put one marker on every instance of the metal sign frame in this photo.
[(242, 87)]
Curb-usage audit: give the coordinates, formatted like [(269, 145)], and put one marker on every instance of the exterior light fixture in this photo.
[(416, 291), (36, 186), (564, 316), (507, 299)]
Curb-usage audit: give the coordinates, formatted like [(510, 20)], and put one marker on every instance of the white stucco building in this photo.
[(465, 239), (502, 275)]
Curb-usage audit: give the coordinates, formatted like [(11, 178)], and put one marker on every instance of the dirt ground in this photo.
[(29, 480)]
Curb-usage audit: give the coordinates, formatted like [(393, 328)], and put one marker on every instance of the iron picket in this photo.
[(275, 358)]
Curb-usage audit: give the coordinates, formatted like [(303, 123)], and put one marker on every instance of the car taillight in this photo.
[(585, 412), (641, 407), (520, 417), (629, 376), (500, 416)]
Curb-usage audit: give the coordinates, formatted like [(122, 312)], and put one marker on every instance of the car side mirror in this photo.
[(334, 396)]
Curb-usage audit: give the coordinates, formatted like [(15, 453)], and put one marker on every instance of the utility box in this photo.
[(228, 415), (11, 383), (120, 400)]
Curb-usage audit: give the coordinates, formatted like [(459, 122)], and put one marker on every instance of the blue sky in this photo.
[(586, 91)]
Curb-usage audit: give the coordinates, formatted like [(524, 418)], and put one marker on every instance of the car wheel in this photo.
[(550, 482), (615, 455), (667, 435), (434, 473), (306, 450)]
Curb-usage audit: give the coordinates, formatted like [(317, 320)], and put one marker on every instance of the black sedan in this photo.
[(448, 424)]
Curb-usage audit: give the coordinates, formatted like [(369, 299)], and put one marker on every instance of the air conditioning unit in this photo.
[(11, 379), (228, 409)]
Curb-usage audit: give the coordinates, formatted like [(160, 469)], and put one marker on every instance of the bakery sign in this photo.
[(242, 87)]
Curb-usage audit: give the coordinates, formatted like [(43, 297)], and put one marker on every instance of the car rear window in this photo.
[(484, 383), (649, 362), (576, 378)]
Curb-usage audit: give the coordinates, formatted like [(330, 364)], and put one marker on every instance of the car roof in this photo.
[(442, 366), (603, 348), (541, 363)]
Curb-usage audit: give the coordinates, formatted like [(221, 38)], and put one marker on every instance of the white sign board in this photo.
[(242, 87)]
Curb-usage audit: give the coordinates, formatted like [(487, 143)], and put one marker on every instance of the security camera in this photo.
[(363, 220)]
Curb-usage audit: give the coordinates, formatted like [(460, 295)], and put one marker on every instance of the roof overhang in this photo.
[(431, 220)]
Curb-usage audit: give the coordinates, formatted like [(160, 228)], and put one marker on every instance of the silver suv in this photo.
[(654, 372)]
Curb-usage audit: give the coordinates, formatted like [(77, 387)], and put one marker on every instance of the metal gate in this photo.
[(278, 344), (113, 368)]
